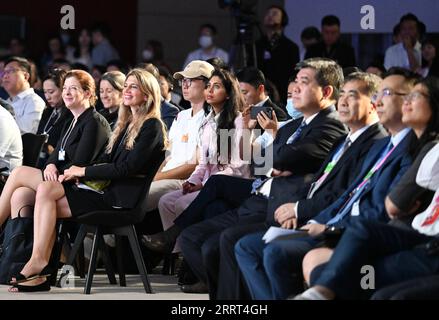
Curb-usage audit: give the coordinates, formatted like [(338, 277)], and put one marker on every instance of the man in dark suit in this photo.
[(168, 112), (276, 54), (299, 149), (335, 175), (252, 84), (331, 47), (280, 261)]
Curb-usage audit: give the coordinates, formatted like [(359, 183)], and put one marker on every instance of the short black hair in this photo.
[(22, 62), (330, 20), (102, 28), (164, 72), (310, 33), (252, 76), (410, 76), (57, 76), (285, 19), (409, 17), (209, 26), (328, 73)]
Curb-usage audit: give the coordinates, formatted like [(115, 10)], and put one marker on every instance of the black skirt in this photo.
[(84, 201)]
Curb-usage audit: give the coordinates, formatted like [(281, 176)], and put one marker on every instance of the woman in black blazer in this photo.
[(134, 154)]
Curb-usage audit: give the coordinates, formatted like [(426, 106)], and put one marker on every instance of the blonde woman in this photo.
[(136, 147)]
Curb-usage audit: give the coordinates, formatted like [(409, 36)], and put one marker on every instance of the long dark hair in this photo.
[(431, 132), (232, 106)]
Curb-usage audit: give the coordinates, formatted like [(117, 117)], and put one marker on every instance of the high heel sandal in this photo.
[(20, 278), (44, 286)]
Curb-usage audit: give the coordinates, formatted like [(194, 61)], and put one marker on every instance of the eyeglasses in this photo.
[(385, 93), (414, 96), (187, 82)]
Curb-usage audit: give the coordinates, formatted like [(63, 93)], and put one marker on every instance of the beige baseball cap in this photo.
[(196, 68)]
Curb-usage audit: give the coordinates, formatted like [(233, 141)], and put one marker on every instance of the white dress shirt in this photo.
[(28, 108), (396, 56), (11, 147)]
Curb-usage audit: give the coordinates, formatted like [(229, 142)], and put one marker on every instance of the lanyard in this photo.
[(58, 115), (375, 169), (67, 135)]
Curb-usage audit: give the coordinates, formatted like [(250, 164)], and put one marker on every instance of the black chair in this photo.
[(32, 146), (120, 223)]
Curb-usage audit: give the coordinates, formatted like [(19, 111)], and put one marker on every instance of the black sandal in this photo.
[(44, 286), (20, 278)]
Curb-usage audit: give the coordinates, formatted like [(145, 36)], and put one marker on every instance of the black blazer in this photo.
[(124, 167), (54, 132), (168, 113), (85, 143), (306, 155), (345, 171), (340, 52), (111, 117), (277, 59)]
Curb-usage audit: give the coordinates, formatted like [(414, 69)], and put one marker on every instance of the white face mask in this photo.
[(205, 41), (147, 54)]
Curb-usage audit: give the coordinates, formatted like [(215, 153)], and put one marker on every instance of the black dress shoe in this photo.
[(162, 242), (199, 287)]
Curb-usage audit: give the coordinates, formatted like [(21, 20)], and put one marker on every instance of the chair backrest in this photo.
[(32, 146)]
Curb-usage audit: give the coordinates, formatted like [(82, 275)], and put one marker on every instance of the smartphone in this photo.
[(254, 111)]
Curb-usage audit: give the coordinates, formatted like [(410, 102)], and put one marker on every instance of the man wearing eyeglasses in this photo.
[(28, 106), (183, 135)]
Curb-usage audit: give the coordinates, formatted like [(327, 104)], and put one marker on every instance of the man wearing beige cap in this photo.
[(181, 160)]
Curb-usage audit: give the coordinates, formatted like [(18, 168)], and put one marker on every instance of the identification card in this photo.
[(356, 209), (62, 155)]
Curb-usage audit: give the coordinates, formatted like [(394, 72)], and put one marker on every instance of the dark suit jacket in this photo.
[(124, 167), (277, 60), (306, 155), (341, 177), (340, 52), (85, 143), (168, 112), (372, 200)]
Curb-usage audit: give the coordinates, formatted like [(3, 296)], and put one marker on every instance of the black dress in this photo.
[(128, 170)]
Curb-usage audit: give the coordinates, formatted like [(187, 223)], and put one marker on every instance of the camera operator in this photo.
[(276, 54)]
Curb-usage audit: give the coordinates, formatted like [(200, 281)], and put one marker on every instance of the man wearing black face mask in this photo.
[(207, 49), (276, 54)]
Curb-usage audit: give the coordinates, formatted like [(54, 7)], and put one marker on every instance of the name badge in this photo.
[(62, 155), (356, 209), (185, 138), (267, 55)]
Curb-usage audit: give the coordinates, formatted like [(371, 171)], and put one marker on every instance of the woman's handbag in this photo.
[(16, 248)]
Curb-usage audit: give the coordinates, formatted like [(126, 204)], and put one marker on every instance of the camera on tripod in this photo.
[(246, 22)]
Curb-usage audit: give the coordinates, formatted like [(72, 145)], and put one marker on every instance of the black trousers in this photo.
[(201, 242), (220, 194)]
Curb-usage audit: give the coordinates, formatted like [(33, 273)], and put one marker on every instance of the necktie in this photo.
[(316, 185), (360, 189), (297, 133)]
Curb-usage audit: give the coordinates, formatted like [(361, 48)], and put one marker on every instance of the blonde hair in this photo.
[(150, 108)]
